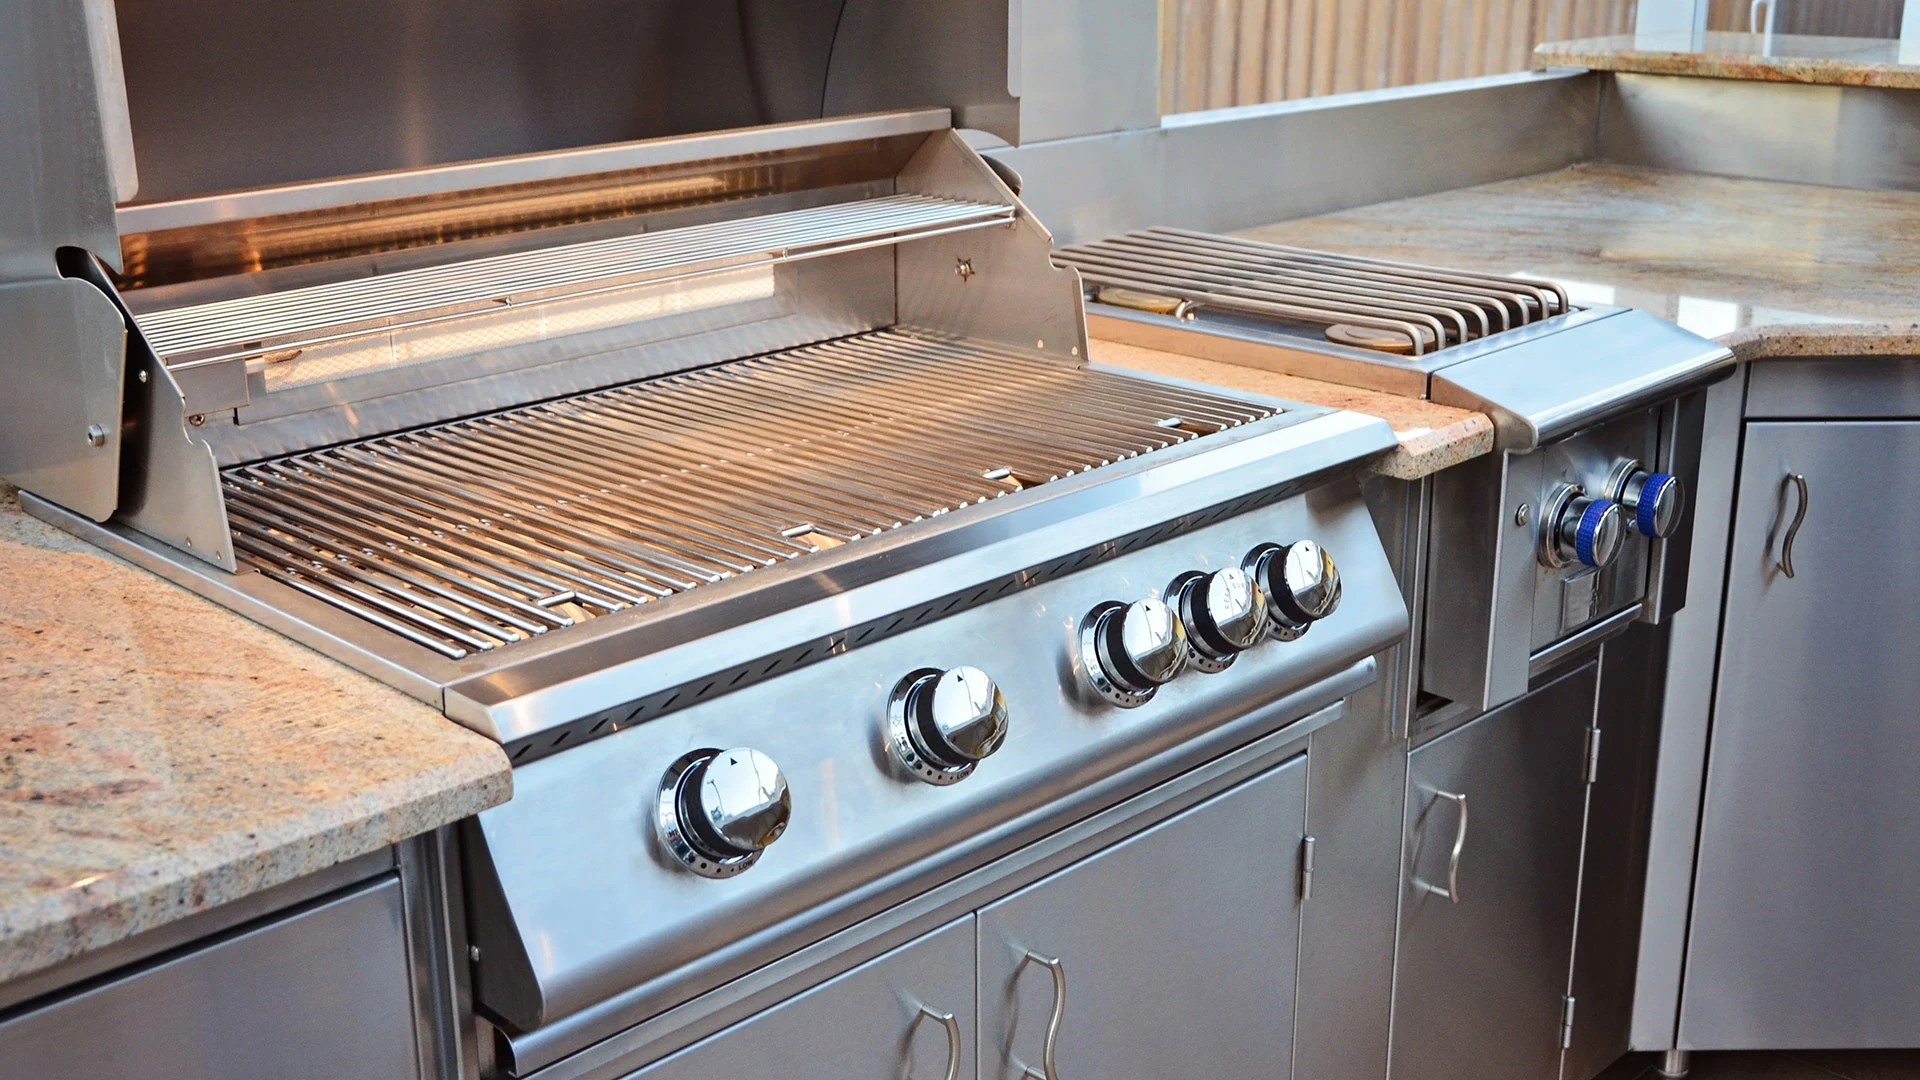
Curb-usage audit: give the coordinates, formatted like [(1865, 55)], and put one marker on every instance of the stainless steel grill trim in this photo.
[(476, 534), (1429, 307), (241, 326)]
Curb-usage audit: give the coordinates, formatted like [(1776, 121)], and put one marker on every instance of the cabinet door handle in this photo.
[(1799, 483), (945, 1020), (1452, 889), (1059, 971)]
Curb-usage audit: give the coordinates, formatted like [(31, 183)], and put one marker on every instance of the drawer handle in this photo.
[(1059, 971), (945, 1020), (1799, 482), (1452, 890)]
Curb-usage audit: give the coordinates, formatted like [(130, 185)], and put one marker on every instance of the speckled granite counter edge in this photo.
[(1900, 338), (89, 915), (1737, 66)]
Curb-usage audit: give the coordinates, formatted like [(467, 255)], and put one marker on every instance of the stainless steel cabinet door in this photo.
[(1171, 954), (907, 1013), (318, 995), (1483, 972), (1806, 927)]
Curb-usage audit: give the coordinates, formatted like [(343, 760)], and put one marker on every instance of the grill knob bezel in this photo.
[(1654, 502), (923, 726), (1577, 529), (701, 816), (1224, 613), (1301, 582), (1129, 651)]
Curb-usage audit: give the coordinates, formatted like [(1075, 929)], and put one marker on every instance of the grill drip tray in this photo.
[(476, 534)]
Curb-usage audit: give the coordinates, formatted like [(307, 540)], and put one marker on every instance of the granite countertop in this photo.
[(1838, 61), (1768, 268), (1432, 437), (160, 756)]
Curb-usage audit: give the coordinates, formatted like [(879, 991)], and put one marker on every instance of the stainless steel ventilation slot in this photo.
[(472, 535), (1376, 304)]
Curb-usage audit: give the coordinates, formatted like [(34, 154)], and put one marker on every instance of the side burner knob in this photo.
[(1653, 501), (1130, 650), (1224, 613), (1301, 583), (719, 809), (940, 724), (1581, 529)]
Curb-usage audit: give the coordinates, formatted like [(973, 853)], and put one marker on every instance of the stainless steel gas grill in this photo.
[(753, 488)]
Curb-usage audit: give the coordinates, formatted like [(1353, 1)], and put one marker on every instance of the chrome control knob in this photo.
[(1581, 529), (1301, 584), (940, 724), (1224, 613), (1653, 501), (1130, 650), (719, 809)]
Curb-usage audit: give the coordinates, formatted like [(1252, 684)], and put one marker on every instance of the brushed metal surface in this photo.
[(1803, 930), (866, 1022), (861, 828), (1853, 388), (62, 354), (1210, 919), (322, 994), (1237, 168), (1481, 979), (1846, 136)]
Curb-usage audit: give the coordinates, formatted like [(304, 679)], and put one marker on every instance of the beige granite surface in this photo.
[(1836, 61), (1769, 268), (160, 756), (1432, 437)]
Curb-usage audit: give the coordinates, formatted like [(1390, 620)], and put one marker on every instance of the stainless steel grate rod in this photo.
[(472, 535), (252, 322)]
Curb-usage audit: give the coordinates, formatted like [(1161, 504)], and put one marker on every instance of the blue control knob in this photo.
[(1655, 500), (1584, 530)]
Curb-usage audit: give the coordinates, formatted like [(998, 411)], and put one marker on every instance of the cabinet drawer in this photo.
[(866, 1023), (318, 995)]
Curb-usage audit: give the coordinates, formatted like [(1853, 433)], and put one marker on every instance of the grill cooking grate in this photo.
[(475, 534), (1372, 303)]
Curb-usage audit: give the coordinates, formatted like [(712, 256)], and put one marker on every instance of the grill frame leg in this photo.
[(1674, 1064)]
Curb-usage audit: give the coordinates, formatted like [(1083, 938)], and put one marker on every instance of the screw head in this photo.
[(1523, 515), (964, 267), (473, 953), (96, 435), (197, 419)]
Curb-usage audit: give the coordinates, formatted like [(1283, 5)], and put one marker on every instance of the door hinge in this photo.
[(1306, 868), (1566, 1022), (1593, 754)]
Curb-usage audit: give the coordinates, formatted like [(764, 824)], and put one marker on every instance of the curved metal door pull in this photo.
[(1799, 515), (1452, 890), (1052, 964), (945, 1020)]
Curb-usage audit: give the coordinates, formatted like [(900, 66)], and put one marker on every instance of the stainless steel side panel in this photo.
[(587, 906), (62, 350), (1804, 931), (1851, 388), (1236, 168), (1845, 136), (321, 995), (1628, 361)]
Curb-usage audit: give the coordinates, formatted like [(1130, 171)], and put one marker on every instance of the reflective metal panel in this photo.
[(62, 347)]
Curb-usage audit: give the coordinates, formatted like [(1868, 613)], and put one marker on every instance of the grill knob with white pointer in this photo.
[(719, 809), (1653, 501), (1581, 529), (1301, 584), (1224, 613), (940, 724), (1131, 650)]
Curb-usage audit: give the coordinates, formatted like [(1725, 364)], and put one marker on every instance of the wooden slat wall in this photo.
[(1216, 53)]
